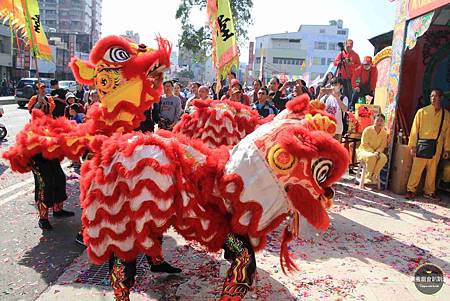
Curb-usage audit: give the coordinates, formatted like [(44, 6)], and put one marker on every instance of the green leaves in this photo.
[(198, 40)]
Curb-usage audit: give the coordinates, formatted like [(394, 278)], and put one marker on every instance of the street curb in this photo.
[(7, 101)]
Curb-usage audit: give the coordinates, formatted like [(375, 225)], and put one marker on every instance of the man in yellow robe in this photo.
[(373, 143), (426, 126)]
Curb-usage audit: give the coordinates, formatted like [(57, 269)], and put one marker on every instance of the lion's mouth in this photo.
[(326, 199), (155, 70)]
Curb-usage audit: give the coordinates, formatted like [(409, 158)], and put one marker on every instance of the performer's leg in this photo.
[(39, 169), (240, 276), (159, 265), (79, 237), (122, 277), (59, 191)]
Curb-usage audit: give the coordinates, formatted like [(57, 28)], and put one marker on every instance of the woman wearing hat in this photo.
[(49, 178)]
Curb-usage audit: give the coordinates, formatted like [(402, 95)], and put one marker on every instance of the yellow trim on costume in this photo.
[(129, 92), (122, 116), (31, 146), (71, 141), (85, 71), (52, 148)]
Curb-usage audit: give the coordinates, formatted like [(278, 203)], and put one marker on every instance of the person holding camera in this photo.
[(40, 101), (364, 81), (346, 62), (336, 104), (427, 142), (299, 86), (325, 83)]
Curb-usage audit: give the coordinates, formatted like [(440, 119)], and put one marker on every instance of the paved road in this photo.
[(30, 261), (370, 252)]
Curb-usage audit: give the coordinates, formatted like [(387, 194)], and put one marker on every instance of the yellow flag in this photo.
[(35, 31), (11, 11), (303, 66), (225, 52), (23, 17)]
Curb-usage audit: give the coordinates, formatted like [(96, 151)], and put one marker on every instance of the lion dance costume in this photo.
[(138, 185)]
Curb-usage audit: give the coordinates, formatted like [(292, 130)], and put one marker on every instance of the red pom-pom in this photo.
[(298, 104)]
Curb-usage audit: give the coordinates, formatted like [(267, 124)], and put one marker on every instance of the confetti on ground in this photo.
[(374, 244)]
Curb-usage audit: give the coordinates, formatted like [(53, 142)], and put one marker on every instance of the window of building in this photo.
[(50, 12), (316, 61), (258, 60), (322, 31), (342, 32), (332, 46), (323, 61), (287, 61), (2, 46), (294, 41), (329, 61), (320, 45)]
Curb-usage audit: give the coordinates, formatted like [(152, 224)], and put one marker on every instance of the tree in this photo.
[(185, 74), (198, 40)]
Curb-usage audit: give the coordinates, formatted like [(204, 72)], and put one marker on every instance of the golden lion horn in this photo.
[(316, 103), (320, 122)]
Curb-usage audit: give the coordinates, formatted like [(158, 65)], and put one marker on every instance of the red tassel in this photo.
[(285, 257)]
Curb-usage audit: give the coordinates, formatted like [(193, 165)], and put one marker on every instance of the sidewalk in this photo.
[(6, 100), (370, 252)]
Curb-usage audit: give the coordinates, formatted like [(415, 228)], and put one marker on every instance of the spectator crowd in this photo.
[(352, 82)]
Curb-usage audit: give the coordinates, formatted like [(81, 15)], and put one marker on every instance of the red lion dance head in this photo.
[(124, 75)]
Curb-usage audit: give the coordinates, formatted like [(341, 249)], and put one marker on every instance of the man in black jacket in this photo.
[(59, 96)]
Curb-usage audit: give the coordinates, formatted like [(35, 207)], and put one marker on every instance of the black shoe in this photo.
[(44, 224), (164, 267), (63, 213), (79, 239)]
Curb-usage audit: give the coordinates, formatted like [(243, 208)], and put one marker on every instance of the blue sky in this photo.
[(364, 18)]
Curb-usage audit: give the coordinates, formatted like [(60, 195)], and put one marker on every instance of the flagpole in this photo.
[(261, 66), (36, 65)]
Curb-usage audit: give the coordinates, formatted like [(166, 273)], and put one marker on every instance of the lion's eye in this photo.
[(116, 55), (321, 169), (280, 160)]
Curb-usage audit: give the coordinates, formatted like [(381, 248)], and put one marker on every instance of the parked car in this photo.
[(26, 88), (70, 85)]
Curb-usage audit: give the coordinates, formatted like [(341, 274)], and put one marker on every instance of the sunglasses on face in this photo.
[(262, 93)]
